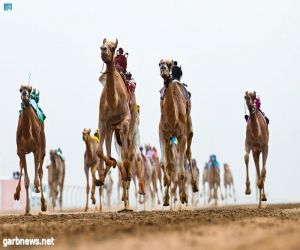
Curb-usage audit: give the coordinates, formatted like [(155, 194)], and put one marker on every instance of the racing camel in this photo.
[(117, 114), (30, 139), (228, 182), (91, 161), (257, 139), (56, 177), (214, 182), (175, 128)]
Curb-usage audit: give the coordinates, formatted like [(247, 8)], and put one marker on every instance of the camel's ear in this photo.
[(21, 88), (254, 93), (104, 40), (116, 43), (246, 93), (30, 89)]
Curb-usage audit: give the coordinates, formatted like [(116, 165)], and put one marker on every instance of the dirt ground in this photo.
[(235, 227)]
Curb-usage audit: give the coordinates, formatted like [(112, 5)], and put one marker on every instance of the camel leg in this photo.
[(108, 161), (100, 197), (40, 172), (263, 171), (135, 191), (61, 196), (182, 151), (246, 157), (86, 171), (18, 188), (256, 154), (27, 181), (233, 191), (189, 157), (93, 172), (226, 193), (36, 170), (140, 178)]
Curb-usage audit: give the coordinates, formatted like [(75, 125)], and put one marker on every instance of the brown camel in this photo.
[(228, 182), (214, 182), (117, 114), (30, 139), (175, 122), (91, 161), (257, 139), (204, 181), (56, 178)]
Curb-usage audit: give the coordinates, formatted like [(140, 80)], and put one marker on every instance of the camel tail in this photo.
[(97, 183)]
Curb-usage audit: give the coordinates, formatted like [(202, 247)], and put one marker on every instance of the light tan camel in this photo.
[(257, 139), (156, 173), (204, 181), (56, 178), (30, 139), (117, 114), (214, 181), (228, 182), (91, 161), (175, 122)]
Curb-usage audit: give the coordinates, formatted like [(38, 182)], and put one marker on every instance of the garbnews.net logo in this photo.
[(27, 242)]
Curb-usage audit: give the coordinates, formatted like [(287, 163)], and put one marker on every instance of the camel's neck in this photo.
[(171, 109), (53, 161), (112, 98), (256, 130), (27, 116), (88, 147)]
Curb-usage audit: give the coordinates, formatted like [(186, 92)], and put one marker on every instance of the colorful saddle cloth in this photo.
[(185, 92)]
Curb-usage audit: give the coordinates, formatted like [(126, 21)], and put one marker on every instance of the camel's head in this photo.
[(52, 154), (194, 163), (165, 68), (25, 91), (108, 49), (226, 167), (86, 134), (249, 98)]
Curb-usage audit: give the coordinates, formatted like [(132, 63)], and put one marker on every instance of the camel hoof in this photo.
[(248, 191), (17, 196), (37, 190), (27, 214), (112, 162), (44, 207), (195, 188), (263, 198), (98, 183), (85, 210), (125, 210), (166, 204)]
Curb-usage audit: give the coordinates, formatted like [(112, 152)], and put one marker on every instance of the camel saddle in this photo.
[(39, 112), (183, 86)]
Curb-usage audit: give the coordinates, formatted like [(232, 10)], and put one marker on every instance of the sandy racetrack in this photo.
[(239, 227)]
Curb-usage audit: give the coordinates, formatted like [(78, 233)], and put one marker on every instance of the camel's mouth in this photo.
[(25, 97)]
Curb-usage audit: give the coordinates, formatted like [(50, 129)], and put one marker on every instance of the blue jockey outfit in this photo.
[(213, 162)]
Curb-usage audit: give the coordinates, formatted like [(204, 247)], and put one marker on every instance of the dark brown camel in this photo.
[(257, 140), (30, 139)]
